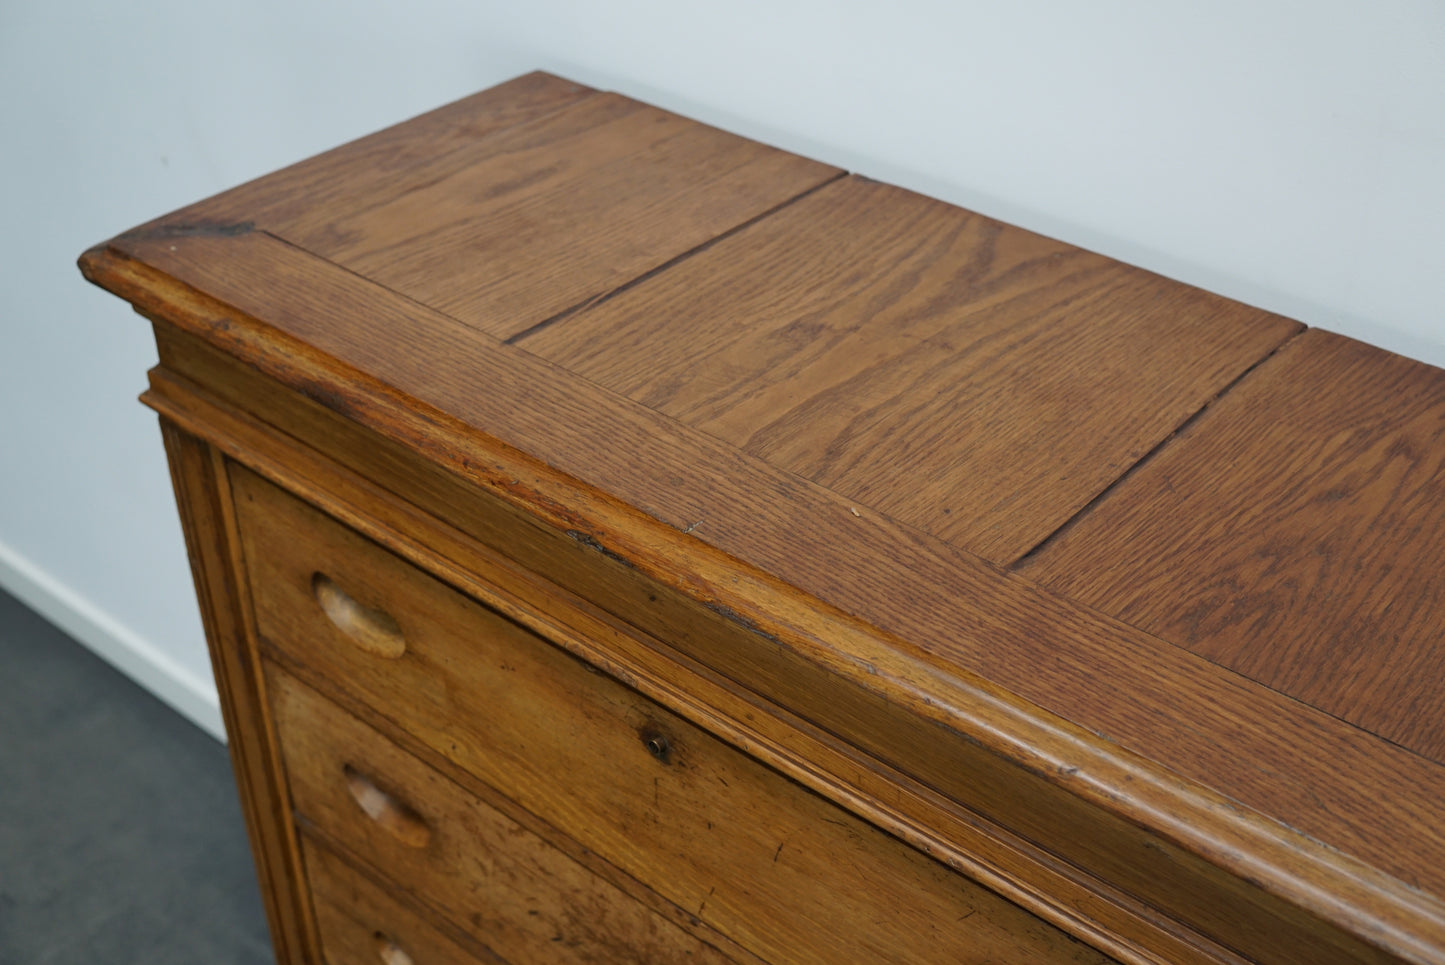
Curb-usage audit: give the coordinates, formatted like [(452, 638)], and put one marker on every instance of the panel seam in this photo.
[(599, 298), (1148, 457)]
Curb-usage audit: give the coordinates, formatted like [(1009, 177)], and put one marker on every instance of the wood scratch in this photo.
[(695, 525)]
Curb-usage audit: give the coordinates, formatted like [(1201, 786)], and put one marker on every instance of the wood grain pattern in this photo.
[(1167, 875), (1295, 534), (490, 877), (924, 680), (203, 498), (966, 377), (510, 206), (1061, 893), (1201, 725), (776, 868), (519, 227), (384, 164), (360, 923)]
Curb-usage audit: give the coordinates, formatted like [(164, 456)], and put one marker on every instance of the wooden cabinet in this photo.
[(620, 541)]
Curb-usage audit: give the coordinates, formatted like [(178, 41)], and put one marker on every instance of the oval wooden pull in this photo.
[(372, 630), (404, 823), (389, 951)]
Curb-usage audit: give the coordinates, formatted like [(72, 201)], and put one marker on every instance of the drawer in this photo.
[(359, 793), (773, 866), (361, 924)]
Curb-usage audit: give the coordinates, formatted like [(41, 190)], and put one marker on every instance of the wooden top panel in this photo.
[(518, 203), (516, 227), (426, 380), (969, 378), (1296, 534), (1233, 770), (384, 164)]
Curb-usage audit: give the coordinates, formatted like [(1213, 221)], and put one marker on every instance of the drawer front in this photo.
[(361, 924), (530, 903), (778, 869)]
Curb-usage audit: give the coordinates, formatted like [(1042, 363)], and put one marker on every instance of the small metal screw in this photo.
[(657, 746)]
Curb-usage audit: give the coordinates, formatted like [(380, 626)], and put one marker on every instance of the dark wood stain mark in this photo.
[(162, 230)]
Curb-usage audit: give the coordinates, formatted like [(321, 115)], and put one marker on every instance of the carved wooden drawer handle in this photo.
[(404, 823), (390, 952), (372, 630)]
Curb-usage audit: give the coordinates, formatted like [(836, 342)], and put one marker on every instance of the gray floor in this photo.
[(120, 834)]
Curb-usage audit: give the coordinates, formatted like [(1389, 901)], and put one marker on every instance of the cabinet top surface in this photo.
[(1195, 528)]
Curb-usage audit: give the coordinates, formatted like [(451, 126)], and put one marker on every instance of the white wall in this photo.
[(1289, 154)]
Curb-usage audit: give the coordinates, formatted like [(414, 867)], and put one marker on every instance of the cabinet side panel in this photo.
[(203, 500)]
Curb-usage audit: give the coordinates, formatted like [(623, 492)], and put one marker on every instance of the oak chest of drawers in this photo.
[(620, 541)]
